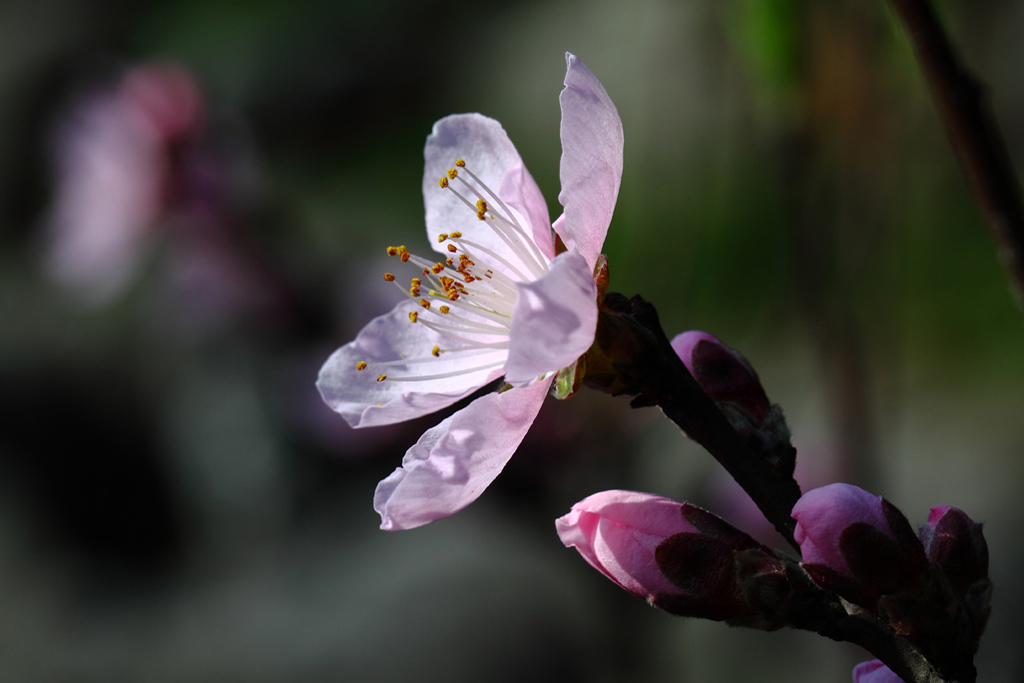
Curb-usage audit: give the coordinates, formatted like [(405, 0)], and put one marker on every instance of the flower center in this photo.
[(468, 298)]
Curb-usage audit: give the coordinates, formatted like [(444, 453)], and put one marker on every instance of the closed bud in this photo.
[(678, 557), (954, 543), (722, 372), (856, 544), (732, 383), (874, 671)]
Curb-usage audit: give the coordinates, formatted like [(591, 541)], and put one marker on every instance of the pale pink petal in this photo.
[(519, 190), (365, 402), (554, 320), (591, 167), (485, 147), (452, 463)]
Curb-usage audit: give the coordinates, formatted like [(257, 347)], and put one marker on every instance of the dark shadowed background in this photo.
[(195, 200)]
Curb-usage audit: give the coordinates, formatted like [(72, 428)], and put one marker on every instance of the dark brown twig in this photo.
[(963, 105), (632, 356)]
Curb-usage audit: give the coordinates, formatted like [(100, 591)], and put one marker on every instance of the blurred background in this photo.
[(195, 199)]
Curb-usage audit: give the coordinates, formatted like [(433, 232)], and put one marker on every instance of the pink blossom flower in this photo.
[(499, 301), (873, 671)]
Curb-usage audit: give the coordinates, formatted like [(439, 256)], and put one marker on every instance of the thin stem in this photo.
[(963, 105), (643, 364)]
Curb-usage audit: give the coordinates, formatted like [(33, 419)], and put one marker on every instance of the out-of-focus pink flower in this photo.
[(498, 301), (113, 173), (873, 671)]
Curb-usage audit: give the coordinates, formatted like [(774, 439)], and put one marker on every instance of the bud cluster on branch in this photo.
[(918, 601)]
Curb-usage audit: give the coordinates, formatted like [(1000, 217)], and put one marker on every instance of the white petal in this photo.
[(591, 167), (554, 320), (519, 190), (365, 402), (455, 461), (492, 157)]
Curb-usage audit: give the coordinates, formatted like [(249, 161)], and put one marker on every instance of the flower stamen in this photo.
[(478, 284)]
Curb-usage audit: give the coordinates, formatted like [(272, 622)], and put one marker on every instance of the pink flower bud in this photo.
[(722, 372), (678, 557), (954, 541), (956, 546), (855, 543), (617, 532), (874, 671), (823, 514), (731, 382)]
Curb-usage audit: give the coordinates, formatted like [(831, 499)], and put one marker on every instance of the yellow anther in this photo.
[(450, 262), (437, 268), (481, 205), (413, 315), (404, 256), (480, 215), (452, 248), (442, 237), (436, 351), (389, 277), (444, 309), (443, 182), (392, 251), (424, 303), (381, 378), (414, 291), (416, 282), (453, 173), (361, 365), (455, 235), (460, 163)]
